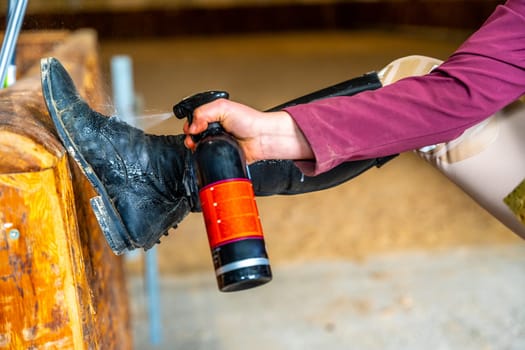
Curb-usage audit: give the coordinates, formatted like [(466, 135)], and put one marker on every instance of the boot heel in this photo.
[(111, 225)]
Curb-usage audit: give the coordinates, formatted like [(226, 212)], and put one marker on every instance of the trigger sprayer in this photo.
[(228, 203)]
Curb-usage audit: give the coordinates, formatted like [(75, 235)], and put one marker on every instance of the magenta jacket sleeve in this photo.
[(486, 73)]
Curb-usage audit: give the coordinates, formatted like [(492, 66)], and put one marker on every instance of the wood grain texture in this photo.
[(61, 287)]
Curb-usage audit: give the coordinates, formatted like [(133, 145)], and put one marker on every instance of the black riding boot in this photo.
[(145, 183)]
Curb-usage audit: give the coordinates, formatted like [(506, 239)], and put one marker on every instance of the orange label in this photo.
[(230, 211)]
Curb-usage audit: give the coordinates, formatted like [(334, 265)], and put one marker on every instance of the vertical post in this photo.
[(152, 285), (125, 104), (14, 24), (123, 94)]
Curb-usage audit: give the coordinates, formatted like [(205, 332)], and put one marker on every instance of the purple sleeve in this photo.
[(486, 73)]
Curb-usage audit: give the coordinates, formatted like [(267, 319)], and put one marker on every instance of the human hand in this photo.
[(237, 119), (261, 135)]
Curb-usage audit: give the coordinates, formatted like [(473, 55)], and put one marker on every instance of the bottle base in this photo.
[(244, 278)]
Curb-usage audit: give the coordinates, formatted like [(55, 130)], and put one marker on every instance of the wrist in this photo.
[(281, 138)]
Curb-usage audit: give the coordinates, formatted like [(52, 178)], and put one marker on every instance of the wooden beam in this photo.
[(60, 285)]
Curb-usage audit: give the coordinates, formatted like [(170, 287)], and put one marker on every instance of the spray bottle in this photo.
[(228, 203)]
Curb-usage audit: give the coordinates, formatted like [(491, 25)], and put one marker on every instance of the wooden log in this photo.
[(61, 286)]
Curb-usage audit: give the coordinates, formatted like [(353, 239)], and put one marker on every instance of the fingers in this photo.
[(188, 142), (202, 116)]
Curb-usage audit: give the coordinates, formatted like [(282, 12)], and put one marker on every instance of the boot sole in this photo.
[(106, 214)]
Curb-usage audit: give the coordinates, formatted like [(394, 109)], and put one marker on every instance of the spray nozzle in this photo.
[(185, 108)]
